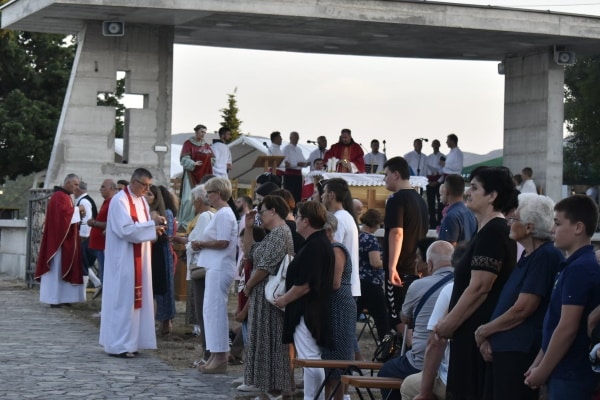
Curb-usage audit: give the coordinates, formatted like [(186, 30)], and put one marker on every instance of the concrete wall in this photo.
[(13, 246), (84, 142), (533, 119)]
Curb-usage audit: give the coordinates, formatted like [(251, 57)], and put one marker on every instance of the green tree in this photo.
[(34, 74), (582, 115), (229, 115)]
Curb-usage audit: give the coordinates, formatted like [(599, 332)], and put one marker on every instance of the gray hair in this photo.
[(82, 185), (440, 253), (537, 210), (199, 193), (332, 222), (70, 177)]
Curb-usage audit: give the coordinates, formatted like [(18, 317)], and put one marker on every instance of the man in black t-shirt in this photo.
[(406, 222)]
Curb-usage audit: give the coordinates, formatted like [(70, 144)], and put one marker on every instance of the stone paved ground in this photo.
[(52, 354), (47, 354)]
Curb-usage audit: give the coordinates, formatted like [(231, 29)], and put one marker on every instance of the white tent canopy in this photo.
[(245, 150)]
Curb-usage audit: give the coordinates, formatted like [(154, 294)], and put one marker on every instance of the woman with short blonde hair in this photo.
[(217, 251)]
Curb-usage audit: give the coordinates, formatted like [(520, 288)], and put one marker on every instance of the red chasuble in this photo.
[(60, 233), (351, 152), (137, 255)]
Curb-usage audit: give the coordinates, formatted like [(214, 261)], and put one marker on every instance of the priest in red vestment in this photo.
[(348, 152), (58, 266)]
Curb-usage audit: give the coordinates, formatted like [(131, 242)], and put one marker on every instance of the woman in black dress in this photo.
[(478, 279)]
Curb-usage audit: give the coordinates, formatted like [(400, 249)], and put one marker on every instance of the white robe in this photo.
[(122, 327), (53, 289)]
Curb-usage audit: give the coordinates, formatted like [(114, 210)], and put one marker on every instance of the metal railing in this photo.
[(36, 215)]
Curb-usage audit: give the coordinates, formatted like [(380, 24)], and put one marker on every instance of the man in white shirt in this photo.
[(416, 160), (434, 172), (294, 162), (528, 186), (454, 159), (319, 152), (222, 164), (275, 150), (87, 257), (374, 160)]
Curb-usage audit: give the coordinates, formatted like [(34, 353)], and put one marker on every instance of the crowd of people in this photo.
[(504, 300)]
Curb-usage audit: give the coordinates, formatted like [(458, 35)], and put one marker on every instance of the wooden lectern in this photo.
[(267, 162)]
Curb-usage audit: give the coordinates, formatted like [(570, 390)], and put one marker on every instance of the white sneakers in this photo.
[(248, 388)]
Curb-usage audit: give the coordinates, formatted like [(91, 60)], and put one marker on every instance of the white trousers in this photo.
[(216, 322), (307, 348)]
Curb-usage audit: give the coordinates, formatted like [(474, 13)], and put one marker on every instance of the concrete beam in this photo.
[(419, 29)]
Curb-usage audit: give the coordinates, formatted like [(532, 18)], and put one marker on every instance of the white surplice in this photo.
[(53, 289), (122, 327)]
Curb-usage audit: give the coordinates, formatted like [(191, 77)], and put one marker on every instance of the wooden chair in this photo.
[(348, 367), (370, 382)]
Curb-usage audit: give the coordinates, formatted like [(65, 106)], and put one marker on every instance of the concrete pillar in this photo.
[(84, 142), (533, 119)]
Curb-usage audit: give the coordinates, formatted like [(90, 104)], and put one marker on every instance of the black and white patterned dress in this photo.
[(343, 313), (267, 362)]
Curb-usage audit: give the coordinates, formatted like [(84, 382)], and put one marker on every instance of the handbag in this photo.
[(275, 285), (389, 347)]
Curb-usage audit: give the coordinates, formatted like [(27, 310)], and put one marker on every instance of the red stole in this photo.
[(137, 255), (60, 233)]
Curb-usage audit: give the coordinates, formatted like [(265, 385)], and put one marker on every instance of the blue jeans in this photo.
[(576, 386), (100, 257), (397, 367), (88, 255)]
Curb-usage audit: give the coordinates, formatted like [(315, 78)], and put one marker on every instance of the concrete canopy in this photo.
[(522, 39), (361, 27)]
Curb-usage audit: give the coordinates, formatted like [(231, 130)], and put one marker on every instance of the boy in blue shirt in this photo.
[(562, 363)]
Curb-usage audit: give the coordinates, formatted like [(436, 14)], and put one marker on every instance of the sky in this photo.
[(391, 99)]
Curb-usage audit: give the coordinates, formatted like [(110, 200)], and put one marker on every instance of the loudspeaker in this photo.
[(563, 57), (113, 28)]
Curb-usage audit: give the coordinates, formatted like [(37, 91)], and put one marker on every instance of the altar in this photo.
[(368, 188)]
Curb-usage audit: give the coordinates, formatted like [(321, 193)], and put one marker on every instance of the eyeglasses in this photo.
[(261, 212), (146, 185), (510, 220), (298, 216)]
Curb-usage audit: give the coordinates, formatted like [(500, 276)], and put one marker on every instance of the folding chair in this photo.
[(368, 323)]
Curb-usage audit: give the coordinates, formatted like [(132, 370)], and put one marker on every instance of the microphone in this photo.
[(384, 146), (311, 142), (265, 144), (424, 139)]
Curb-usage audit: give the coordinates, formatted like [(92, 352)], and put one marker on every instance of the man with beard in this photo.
[(348, 153), (222, 164)]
